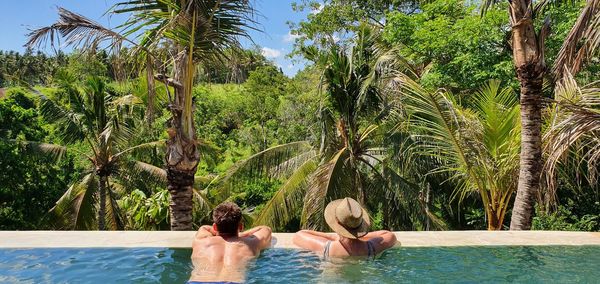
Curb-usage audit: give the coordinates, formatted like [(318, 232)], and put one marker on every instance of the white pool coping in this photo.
[(129, 239)]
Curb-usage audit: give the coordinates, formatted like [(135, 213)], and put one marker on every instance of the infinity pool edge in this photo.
[(183, 239)]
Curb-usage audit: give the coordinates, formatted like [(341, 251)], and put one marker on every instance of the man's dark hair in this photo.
[(227, 216)]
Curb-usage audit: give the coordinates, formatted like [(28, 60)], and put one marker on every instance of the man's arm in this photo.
[(381, 240), (261, 234), (205, 231), (313, 240)]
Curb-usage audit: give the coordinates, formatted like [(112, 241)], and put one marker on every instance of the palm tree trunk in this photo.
[(151, 90), (182, 154), (528, 58), (531, 149), (494, 214), (102, 209), (494, 223), (181, 205)]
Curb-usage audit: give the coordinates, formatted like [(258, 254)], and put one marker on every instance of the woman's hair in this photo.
[(227, 216)]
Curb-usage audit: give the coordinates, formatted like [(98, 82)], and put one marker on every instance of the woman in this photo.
[(350, 222)]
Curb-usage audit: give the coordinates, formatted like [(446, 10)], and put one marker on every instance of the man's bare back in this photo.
[(224, 259)]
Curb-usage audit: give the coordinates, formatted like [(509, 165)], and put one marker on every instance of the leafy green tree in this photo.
[(451, 45), (146, 213), (30, 186), (265, 86), (334, 22), (298, 112)]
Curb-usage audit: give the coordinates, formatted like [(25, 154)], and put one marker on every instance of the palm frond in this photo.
[(209, 153), (142, 146), (479, 147), (217, 24), (203, 181), (581, 43), (436, 123), (575, 127), (127, 100), (270, 163), (56, 152), (202, 205), (133, 172), (76, 210), (113, 218), (330, 181), (401, 200), (288, 198), (71, 123), (78, 31)]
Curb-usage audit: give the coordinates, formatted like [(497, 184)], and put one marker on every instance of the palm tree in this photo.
[(347, 161), (478, 147), (572, 137), (529, 59), (92, 119), (199, 30)]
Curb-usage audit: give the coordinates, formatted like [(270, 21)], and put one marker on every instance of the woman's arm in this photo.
[(381, 240), (313, 240)]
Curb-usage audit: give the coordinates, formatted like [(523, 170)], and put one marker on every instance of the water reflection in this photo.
[(403, 265), (177, 265)]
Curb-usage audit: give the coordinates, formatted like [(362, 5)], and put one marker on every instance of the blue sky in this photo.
[(18, 16)]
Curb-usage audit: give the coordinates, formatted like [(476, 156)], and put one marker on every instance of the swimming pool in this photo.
[(531, 264)]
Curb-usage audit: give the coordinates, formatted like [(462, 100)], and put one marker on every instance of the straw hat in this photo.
[(347, 218)]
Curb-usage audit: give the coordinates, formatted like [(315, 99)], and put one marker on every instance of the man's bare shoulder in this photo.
[(250, 242), (208, 241)]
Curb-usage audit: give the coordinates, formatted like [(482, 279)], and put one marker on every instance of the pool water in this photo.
[(556, 264)]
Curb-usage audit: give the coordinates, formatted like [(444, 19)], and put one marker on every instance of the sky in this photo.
[(19, 16)]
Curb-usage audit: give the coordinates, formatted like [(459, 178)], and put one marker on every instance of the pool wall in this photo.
[(76, 239)]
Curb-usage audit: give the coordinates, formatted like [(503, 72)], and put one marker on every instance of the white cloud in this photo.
[(270, 53), (290, 37)]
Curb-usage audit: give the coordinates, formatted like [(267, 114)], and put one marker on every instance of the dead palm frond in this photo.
[(574, 132), (78, 31), (581, 43)]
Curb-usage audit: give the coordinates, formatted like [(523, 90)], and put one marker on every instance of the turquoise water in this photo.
[(555, 264)]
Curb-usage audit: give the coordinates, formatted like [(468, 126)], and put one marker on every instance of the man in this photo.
[(221, 252), (351, 223)]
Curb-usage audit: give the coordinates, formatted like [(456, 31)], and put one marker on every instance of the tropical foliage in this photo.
[(413, 108), (477, 146), (99, 121)]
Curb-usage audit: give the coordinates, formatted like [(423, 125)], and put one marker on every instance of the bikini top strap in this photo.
[(326, 251)]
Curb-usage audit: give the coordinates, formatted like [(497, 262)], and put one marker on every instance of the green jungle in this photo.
[(435, 115)]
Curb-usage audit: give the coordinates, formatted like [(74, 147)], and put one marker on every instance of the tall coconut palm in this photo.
[(91, 118), (199, 30), (348, 161), (529, 60)]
